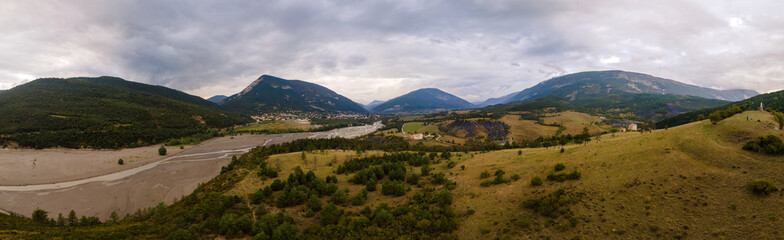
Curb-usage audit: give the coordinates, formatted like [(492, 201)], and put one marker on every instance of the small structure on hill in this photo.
[(632, 127), (762, 109), (417, 136)]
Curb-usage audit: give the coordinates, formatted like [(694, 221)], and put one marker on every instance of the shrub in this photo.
[(314, 203), (339, 197), (762, 186), (515, 177), (393, 188), (162, 150), (560, 177), (559, 167), (536, 181), (121, 162), (484, 174), (413, 179), (768, 145), (552, 205), (439, 178)]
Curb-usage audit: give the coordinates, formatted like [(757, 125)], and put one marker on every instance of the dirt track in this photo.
[(128, 190)]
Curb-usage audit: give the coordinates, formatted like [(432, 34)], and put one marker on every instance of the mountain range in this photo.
[(271, 94), (587, 84)]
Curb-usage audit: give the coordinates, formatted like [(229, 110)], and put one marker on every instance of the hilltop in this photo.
[(103, 112), (770, 101), (423, 100), (273, 94)]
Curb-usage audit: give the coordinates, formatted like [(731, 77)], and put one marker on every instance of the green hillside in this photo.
[(770, 101), (273, 94), (577, 86), (104, 112)]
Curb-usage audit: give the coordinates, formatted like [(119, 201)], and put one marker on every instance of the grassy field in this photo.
[(275, 125), (574, 122), (520, 129), (685, 182), (419, 127)]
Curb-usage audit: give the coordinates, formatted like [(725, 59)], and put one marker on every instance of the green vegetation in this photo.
[(771, 101), (770, 144), (719, 115), (560, 166), (560, 177), (762, 186), (162, 151), (104, 112), (120, 162), (499, 179), (536, 181)]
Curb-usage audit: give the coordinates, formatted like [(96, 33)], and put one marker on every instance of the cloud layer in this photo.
[(370, 50)]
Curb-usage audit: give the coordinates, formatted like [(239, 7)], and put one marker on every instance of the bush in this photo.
[(559, 167), (314, 203), (762, 186), (120, 162), (439, 178), (770, 144), (393, 188), (536, 181), (515, 177), (552, 204), (339, 197), (330, 215), (484, 174), (499, 179), (162, 151), (413, 179), (560, 177)]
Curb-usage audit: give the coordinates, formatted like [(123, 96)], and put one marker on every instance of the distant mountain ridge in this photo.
[(423, 100), (274, 94), (373, 104), (216, 98), (582, 84)]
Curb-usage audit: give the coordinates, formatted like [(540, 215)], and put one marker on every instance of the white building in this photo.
[(632, 127)]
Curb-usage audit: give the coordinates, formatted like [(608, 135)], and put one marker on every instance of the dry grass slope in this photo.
[(681, 182)]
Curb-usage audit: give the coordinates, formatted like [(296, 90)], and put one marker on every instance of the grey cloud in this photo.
[(370, 50)]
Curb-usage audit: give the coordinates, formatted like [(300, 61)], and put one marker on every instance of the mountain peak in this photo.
[(270, 94), (423, 100)]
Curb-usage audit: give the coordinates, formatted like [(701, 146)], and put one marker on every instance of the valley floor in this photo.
[(96, 193)]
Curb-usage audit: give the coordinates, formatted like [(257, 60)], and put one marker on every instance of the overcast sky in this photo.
[(370, 50)]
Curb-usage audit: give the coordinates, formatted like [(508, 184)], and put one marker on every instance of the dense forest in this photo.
[(104, 112)]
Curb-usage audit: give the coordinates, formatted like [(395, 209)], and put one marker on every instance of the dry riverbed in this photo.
[(143, 183)]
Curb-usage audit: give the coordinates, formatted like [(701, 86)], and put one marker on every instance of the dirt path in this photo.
[(161, 181)]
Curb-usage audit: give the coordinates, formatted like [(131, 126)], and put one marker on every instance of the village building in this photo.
[(632, 127)]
